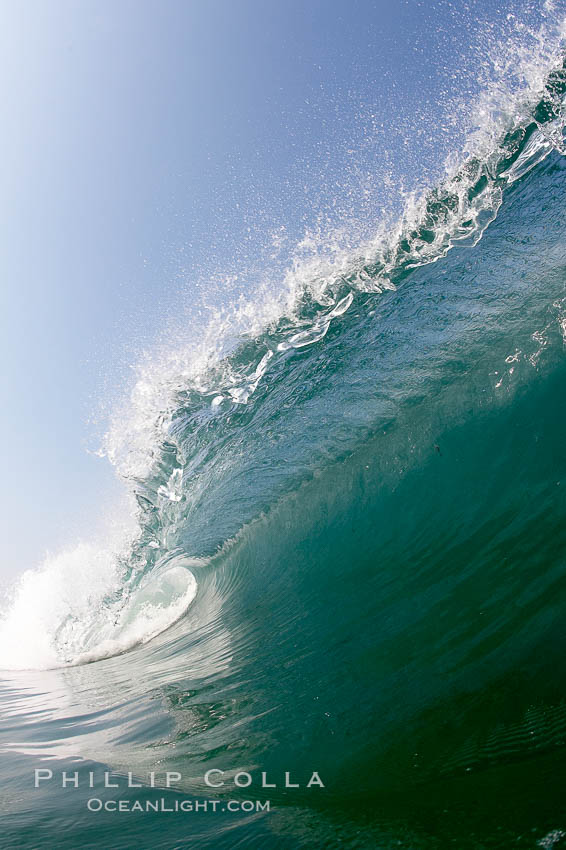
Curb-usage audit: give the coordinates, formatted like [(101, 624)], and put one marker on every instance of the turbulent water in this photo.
[(349, 548)]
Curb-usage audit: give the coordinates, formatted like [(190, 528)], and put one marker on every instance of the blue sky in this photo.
[(148, 147)]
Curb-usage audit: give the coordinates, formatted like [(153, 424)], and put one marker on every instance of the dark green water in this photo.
[(381, 537)]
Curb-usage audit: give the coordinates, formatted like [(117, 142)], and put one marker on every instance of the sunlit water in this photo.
[(349, 552)]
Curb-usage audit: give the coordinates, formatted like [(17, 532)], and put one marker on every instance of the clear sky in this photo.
[(148, 147)]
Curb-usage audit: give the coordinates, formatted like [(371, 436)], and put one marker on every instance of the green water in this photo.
[(374, 516)]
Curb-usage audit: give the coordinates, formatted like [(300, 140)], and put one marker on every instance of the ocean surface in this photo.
[(347, 558)]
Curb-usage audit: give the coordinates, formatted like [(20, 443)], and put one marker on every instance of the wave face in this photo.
[(349, 552)]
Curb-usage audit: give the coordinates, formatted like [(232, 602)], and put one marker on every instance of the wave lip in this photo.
[(78, 607), (229, 358), (160, 601), (183, 412)]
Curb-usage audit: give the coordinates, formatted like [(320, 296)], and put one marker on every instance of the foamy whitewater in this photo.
[(346, 551)]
